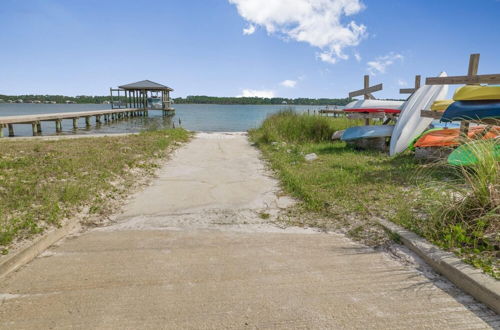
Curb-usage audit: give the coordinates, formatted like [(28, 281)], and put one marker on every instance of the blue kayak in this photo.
[(363, 132), (472, 110)]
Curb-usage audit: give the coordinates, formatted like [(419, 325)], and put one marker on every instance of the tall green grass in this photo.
[(456, 208), (465, 215), (289, 126)]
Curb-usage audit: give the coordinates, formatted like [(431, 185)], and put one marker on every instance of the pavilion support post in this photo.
[(11, 129), (33, 129), (39, 127), (87, 121), (111, 96), (75, 123), (1, 131)]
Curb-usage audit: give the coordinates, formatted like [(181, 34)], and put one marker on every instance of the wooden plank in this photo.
[(473, 65), (414, 89), (359, 115), (469, 80), (418, 80), (368, 90), (407, 90), (431, 114)]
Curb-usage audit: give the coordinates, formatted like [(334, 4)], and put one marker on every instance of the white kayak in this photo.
[(374, 104), (410, 124)]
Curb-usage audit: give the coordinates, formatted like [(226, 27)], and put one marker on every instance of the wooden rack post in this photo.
[(367, 92), (411, 90), (472, 78)]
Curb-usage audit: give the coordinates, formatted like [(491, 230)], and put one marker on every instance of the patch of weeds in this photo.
[(46, 181), (264, 216), (457, 209)]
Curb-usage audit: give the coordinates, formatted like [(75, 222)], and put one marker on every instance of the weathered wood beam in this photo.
[(431, 114), (490, 79), (418, 79), (11, 129), (367, 91)]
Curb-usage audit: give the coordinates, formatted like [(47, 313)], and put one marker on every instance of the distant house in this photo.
[(2, 101), (70, 102), (37, 102), (106, 102), (19, 101), (284, 102), (10, 101), (53, 102)]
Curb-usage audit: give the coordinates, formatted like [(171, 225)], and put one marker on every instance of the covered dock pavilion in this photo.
[(145, 94)]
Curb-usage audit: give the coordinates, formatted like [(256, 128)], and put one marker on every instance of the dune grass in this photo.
[(348, 189), (43, 182)]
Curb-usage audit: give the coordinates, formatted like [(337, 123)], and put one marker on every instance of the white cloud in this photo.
[(316, 22), (357, 56), (289, 83), (380, 64), (249, 30), (256, 93), (402, 83)]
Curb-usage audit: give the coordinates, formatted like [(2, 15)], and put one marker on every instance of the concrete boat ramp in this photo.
[(192, 251)]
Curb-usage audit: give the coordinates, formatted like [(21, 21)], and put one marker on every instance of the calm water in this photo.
[(195, 117)]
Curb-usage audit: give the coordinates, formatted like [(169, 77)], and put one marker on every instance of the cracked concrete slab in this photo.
[(192, 251)]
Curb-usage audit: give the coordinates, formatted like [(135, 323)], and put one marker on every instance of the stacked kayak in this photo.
[(474, 103), (410, 123), (371, 104), (469, 154), (373, 110), (371, 131), (364, 132), (450, 137), (441, 105)]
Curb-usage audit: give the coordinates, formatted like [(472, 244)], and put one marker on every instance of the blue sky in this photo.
[(198, 47)]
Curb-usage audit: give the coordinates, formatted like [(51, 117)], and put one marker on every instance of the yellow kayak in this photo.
[(477, 93), (441, 105)]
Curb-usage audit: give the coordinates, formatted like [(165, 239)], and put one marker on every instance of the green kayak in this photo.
[(466, 155)]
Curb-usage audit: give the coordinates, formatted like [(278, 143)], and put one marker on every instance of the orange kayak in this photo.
[(449, 137)]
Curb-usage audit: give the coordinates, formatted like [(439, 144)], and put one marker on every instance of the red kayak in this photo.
[(371, 110)]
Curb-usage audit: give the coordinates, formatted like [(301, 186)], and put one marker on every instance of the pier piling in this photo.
[(11, 129)]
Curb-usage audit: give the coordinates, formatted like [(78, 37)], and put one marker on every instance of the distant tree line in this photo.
[(57, 98), (201, 99)]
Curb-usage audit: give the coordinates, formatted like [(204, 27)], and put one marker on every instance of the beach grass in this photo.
[(348, 190), (43, 182)]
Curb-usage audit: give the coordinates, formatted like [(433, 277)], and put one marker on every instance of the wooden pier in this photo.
[(137, 99), (101, 116)]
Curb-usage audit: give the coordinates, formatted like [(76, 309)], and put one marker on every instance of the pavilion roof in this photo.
[(146, 85)]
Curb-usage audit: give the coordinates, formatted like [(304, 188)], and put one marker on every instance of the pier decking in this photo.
[(100, 117)]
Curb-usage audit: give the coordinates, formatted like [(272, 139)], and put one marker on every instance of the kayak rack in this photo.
[(472, 78), (410, 91), (366, 92)]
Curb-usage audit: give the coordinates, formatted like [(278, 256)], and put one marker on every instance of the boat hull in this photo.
[(370, 104), (472, 110), (410, 123), (365, 132)]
